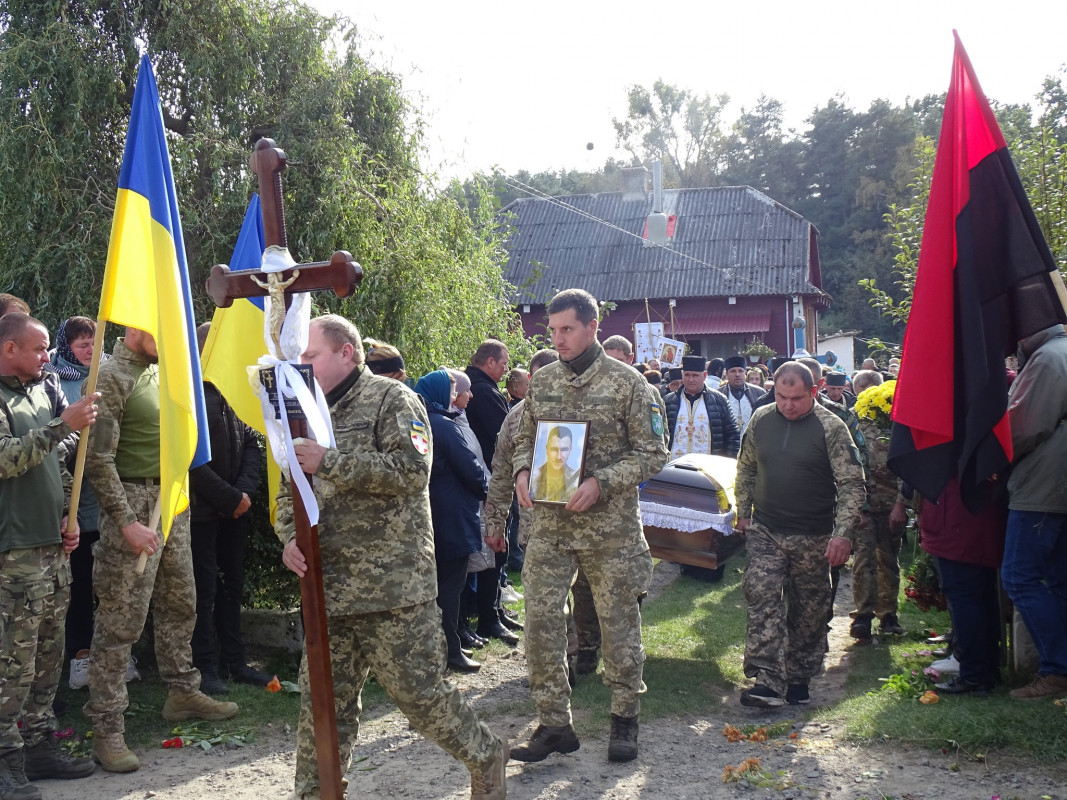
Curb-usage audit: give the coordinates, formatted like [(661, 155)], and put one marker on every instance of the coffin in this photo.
[(688, 512)]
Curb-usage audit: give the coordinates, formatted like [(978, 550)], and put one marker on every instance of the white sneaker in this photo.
[(509, 595), (79, 670), (131, 670), (947, 666)]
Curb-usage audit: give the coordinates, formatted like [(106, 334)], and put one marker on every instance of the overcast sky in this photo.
[(529, 85)]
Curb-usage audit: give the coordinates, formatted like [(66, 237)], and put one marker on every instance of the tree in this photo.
[(680, 128), (229, 73)]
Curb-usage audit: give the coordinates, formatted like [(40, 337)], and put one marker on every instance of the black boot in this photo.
[(860, 628), (13, 782), (47, 759), (622, 746), (545, 741)]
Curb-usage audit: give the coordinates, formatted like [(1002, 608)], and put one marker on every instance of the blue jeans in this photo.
[(1034, 574), (974, 602)]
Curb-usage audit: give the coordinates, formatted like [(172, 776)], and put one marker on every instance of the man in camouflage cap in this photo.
[(34, 570), (123, 467), (378, 568), (799, 491), (598, 530)]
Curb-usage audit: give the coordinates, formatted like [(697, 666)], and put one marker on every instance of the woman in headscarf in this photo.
[(458, 485)]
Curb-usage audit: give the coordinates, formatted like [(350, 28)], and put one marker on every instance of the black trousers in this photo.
[(79, 634), (451, 579), (219, 571)]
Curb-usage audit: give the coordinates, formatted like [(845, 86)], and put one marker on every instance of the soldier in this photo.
[(123, 467), (598, 530), (378, 567), (799, 450), (875, 564), (34, 543)]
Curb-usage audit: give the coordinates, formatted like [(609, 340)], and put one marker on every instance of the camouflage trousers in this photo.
[(619, 580), (34, 595), (586, 621), (405, 649), (875, 569), (787, 589), (124, 598)]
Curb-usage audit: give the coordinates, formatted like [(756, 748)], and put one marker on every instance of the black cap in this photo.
[(837, 379), (777, 362), (693, 363), (673, 374), (735, 361)]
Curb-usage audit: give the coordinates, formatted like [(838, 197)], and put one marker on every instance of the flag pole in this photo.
[(83, 435)]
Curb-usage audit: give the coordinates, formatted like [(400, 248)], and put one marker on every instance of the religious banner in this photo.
[(670, 352), (646, 340)]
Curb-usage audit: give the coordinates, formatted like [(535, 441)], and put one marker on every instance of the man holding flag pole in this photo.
[(150, 430)]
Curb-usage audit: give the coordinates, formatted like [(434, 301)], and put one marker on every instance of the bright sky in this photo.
[(527, 86)]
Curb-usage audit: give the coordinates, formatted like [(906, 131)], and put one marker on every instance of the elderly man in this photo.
[(794, 449), (34, 569), (698, 418), (516, 384), (836, 389), (599, 529), (741, 396), (619, 348), (378, 564)]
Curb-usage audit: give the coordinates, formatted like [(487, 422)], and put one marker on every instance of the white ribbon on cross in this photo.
[(290, 384)]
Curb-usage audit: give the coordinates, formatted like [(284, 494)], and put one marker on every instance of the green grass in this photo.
[(694, 636)]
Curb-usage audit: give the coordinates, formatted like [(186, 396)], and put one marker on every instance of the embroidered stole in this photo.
[(692, 431), (742, 409)]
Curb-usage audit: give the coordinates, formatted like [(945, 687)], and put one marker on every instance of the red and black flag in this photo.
[(985, 280)]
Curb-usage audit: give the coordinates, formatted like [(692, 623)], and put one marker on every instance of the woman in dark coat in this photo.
[(458, 485)]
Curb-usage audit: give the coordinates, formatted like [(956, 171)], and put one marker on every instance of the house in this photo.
[(719, 267)]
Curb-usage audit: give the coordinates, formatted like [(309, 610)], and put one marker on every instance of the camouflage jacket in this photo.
[(375, 534), (115, 382), (800, 476), (883, 487), (501, 483), (852, 422), (624, 447), (34, 482)]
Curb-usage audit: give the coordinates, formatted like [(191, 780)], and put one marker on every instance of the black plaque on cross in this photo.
[(342, 274)]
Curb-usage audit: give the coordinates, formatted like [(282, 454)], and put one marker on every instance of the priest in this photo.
[(741, 396), (698, 418)]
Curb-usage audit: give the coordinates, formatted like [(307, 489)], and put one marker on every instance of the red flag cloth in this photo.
[(984, 281)]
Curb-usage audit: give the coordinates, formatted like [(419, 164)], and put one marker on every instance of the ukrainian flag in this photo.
[(236, 340), (146, 286)]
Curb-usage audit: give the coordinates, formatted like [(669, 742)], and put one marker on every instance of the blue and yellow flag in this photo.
[(236, 340), (146, 286)]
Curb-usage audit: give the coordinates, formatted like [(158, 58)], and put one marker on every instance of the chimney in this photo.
[(656, 226), (634, 183)]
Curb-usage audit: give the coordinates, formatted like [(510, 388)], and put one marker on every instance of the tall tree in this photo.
[(229, 73)]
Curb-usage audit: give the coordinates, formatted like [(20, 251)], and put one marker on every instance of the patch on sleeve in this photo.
[(657, 420), (419, 437)]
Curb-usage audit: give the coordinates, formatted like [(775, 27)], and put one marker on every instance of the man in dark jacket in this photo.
[(485, 413), (221, 493), (702, 423)]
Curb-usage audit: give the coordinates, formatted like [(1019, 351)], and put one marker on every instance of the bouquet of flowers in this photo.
[(876, 403)]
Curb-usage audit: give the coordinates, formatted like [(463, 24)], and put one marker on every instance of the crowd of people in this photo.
[(432, 489)]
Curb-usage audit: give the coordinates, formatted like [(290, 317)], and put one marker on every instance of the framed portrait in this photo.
[(671, 352), (559, 458)]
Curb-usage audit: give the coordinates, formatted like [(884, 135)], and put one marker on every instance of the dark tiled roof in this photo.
[(727, 241)]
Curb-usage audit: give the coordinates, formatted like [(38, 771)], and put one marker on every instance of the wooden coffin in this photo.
[(687, 510)]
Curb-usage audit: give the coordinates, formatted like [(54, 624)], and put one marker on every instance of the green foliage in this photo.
[(229, 73)]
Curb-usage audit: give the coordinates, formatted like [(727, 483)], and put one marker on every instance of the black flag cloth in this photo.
[(985, 280)]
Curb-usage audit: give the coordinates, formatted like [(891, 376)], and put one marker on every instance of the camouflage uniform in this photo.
[(124, 596), (583, 620), (786, 582), (624, 447), (34, 572), (379, 577), (875, 568)]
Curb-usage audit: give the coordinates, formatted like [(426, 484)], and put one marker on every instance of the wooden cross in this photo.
[(341, 274)]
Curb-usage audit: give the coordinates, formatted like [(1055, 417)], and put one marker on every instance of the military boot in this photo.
[(47, 759), (588, 660), (545, 741), (111, 753), (13, 782), (490, 783), (622, 746), (196, 705)]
